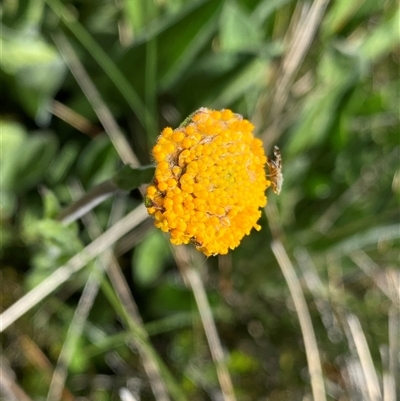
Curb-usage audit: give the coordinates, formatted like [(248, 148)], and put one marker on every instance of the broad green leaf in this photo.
[(63, 162), (237, 31), (54, 244), (98, 161), (29, 162), (27, 14), (337, 73), (339, 14), (8, 205), (170, 298), (150, 257), (178, 51), (384, 38), (13, 135), (265, 8), (36, 68), (101, 57), (180, 38), (139, 13), (245, 79), (51, 205)]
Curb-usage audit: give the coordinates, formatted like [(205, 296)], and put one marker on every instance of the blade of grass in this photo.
[(151, 89), (110, 125), (125, 297), (89, 201), (358, 189), (102, 58), (76, 263), (355, 380), (394, 343), (138, 339), (388, 381), (310, 342), (74, 332), (366, 238), (291, 63), (74, 119), (191, 276), (379, 276), (8, 386), (364, 355), (79, 319), (125, 179), (319, 291), (126, 395)]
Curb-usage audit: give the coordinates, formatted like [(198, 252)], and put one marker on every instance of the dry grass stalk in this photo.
[(310, 342)]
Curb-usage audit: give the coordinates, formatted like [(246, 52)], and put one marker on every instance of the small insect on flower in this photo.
[(275, 171)]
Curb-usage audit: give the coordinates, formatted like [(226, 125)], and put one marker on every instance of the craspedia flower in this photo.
[(209, 182)]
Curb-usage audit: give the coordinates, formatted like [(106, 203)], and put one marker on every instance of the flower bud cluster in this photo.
[(210, 181)]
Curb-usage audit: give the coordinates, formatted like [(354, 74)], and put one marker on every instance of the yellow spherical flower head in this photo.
[(210, 182)]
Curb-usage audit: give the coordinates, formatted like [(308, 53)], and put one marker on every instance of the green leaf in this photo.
[(102, 58), (241, 363), (36, 68), (27, 14), (265, 8), (63, 163), (28, 163), (51, 204), (13, 135), (139, 13), (150, 257), (237, 31), (244, 79), (128, 178), (384, 38), (175, 51), (54, 243), (338, 72), (339, 14), (98, 161)]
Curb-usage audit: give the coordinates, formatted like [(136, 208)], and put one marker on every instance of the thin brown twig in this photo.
[(310, 342), (187, 266), (110, 126), (74, 119)]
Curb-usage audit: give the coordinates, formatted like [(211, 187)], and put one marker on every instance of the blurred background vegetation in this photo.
[(320, 79)]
